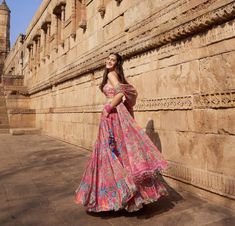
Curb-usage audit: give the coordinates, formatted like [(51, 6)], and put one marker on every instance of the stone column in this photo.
[(62, 24), (73, 18), (38, 49), (101, 8), (48, 34), (34, 54), (83, 22), (55, 32)]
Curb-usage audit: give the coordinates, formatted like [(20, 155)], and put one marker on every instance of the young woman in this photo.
[(124, 165)]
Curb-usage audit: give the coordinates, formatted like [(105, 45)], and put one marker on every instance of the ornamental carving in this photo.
[(144, 42)]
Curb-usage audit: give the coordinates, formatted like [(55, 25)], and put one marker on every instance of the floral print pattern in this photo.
[(123, 169)]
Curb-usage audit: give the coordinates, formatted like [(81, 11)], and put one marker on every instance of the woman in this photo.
[(123, 168)]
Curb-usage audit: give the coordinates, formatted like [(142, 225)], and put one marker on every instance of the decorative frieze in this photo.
[(214, 100), (142, 43), (210, 181), (165, 104)]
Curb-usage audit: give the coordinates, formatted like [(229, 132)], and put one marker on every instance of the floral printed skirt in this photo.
[(123, 169)]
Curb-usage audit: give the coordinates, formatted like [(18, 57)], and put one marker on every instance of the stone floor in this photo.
[(38, 177)]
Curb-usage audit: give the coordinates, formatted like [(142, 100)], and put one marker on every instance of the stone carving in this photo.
[(215, 100), (218, 183), (165, 103), (146, 42), (118, 2), (101, 10), (212, 100)]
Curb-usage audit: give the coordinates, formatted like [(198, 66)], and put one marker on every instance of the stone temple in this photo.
[(179, 55)]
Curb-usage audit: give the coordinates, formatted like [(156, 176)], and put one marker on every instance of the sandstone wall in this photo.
[(178, 54)]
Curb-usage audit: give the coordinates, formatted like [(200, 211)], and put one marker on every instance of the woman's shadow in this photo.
[(164, 203)]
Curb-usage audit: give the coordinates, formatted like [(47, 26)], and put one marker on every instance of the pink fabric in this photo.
[(123, 167)]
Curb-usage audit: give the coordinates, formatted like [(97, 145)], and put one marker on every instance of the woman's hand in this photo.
[(105, 113), (107, 109)]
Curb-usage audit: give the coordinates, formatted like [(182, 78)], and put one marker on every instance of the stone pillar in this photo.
[(48, 39), (83, 22), (73, 18), (38, 49), (62, 24), (55, 45), (101, 8)]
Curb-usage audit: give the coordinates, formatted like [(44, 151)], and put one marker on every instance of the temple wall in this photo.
[(179, 56)]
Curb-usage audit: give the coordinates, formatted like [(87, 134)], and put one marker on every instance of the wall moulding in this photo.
[(215, 100), (142, 43), (210, 181), (210, 100)]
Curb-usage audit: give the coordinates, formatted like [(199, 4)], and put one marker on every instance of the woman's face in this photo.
[(111, 61)]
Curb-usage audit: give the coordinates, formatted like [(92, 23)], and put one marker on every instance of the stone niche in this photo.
[(178, 54)]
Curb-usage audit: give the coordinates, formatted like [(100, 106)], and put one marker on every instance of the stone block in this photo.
[(184, 148), (136, 13), (174, 121), (221, 154), (216, 73), (226, 121), (203, 120), (178, 80)]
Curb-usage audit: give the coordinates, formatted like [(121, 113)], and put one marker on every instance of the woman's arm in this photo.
[(113, 78)]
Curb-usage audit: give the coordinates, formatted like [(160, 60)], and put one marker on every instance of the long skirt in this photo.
[(123, 169)]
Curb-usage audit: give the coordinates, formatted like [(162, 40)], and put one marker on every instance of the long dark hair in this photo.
[(118, 69)]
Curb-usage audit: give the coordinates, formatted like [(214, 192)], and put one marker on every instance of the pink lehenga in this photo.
[(122, 172)]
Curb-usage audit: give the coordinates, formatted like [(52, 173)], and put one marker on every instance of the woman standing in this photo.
[(123, 167)]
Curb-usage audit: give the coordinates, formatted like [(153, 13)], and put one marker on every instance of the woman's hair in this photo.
[(118, 69)]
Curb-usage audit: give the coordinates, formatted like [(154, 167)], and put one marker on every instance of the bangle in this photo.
[(108, 108)]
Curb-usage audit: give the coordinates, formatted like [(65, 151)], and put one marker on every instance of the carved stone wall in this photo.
[(178, 54)]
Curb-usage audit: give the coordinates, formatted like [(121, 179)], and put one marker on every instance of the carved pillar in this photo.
[(62, 23), (101, 8), (55, 44), (48, 39), (38, 49), (118, 1), (59, 13), (83, 22), (73, 18), (30, 58), (34, 50)]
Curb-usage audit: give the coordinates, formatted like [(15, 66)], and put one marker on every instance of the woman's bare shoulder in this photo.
[(112, 74), (113, 78)]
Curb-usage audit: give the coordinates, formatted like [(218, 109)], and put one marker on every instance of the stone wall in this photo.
[(178, 54)]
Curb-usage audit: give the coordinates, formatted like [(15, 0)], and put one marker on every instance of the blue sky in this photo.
[(22, 12)]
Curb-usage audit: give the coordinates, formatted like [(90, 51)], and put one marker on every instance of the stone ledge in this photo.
[(21, 111), (210, 181), (24, 131), (216, 100)]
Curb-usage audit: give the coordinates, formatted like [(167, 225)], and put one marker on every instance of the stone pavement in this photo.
[(38, 177)]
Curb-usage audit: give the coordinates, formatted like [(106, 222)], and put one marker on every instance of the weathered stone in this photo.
[(178, 54)]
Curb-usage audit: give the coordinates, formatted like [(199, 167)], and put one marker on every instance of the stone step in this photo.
[(4, 126), (24, 131), (4, 131)]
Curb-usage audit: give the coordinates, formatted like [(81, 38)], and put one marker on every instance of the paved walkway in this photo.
[(38, 177)]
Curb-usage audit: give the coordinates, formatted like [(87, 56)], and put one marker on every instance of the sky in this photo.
[(22, 12)]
